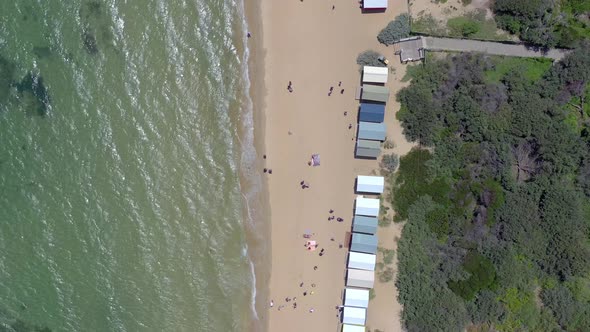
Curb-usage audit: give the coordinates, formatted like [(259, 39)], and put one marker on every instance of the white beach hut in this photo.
[(360, 278), (354, 316), (361, 261), (375, 4), (354, 297), (370, 184), (352, 328), (366, 207), (375, 74)]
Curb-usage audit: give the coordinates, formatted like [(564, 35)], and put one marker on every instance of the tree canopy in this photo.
[(496, 200), (545, 23)]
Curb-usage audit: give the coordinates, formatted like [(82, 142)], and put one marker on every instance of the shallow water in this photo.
[(120, 202)]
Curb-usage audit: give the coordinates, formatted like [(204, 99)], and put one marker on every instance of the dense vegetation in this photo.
[(545, 23), (497, 200), (370, 58), (397, 29)]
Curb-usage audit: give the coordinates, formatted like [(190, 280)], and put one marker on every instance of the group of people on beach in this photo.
[(332, 89), (311, 244)]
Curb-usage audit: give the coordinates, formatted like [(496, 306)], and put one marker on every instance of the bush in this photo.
[(388, 144), (384, 221), (386, 275), (388, 255), (394, 31), (390, 162), (369, 58), (482, 276), (463, 26)]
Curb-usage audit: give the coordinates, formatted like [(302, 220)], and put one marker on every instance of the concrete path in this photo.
[(462, 45)]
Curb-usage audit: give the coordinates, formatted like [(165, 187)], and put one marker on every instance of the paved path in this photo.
[(462, 45)]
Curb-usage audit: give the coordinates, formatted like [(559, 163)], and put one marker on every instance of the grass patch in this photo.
[(412, 71), (384, 221), (388, 255), (463, 26), (426, 24), (571, 120), (533, 69), (473, 25), (386, 275)]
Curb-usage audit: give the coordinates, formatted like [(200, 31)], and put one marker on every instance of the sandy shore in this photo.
[(315, 47)]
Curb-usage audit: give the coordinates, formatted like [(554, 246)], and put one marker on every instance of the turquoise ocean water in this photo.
[(121, 207)]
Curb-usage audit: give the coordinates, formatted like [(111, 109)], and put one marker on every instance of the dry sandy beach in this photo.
[(315, 47)]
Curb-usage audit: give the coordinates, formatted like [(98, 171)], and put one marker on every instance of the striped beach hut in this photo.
[(360, 278), (371, 131), (364, 243), (361, 261), (373, 74), (367, 149), (353, 328), (364, 224), (354, 297), (354, 316), (367, 207), (371, 112), (375, 93)]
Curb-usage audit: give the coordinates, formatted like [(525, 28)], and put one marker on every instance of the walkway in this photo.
[(494, 48)]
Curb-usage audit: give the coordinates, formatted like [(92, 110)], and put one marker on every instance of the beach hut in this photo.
[(375, 74), (375, 4), (352, 328), (354, 316), (354, 297), (364, 243), (360, 278), (364, 224), (367, 149), (371, 112), (371, 131), (361, 261), (366, 207), (370, 184), (375, 93)]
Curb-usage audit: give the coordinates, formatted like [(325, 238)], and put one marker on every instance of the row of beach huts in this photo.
[(373, 97), (362, 256)]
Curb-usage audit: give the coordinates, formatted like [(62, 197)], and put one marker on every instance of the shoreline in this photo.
[(256, 234)]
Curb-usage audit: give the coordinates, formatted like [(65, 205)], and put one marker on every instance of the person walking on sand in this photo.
[(272, 303)]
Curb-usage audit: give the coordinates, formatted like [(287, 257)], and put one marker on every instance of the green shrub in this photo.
[(397, 29), (369, 58), (463, 26), (386, 275), (389, 162), (388, 255), (384, 221), (482, 276)]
